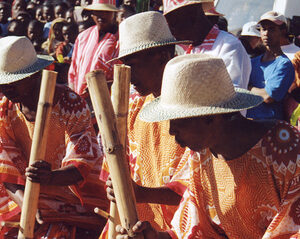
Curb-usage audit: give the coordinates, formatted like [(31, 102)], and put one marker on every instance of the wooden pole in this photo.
[(120, 101), (115, 154), (38, 150)]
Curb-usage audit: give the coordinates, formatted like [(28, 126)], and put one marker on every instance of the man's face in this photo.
[(69, 17), (68, 34), (103, 19), (48, 14), (33, 32), (59, 11), (181, 22), (186, 132), (270, 34), (4, 13), (146, 72)]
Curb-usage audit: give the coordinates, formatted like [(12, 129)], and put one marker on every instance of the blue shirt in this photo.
[(276, 78)]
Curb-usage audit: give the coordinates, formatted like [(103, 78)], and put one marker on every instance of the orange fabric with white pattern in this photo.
[(254, 196), (71, 141)]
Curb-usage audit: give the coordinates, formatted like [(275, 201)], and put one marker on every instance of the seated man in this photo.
[(245, 181), (272, 73), (66, 201)]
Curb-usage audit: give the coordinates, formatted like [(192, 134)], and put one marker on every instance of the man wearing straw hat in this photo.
[(66, 201), (95, 46), (187, 21), (146, 44), (245, 181)]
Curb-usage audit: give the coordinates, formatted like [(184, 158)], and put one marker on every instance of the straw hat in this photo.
[(171, 5), (213, 12), (19, 60), (102, 5), (275, 17), (250, 29), (197, 85), (144, 31)]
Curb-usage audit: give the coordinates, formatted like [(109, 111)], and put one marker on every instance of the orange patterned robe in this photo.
[(71, 141), (154, 159), (254, 196)]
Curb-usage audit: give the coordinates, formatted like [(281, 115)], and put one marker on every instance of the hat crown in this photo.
[(16, 54), (170, 5), (196, 80), (112, 2), (273, 16), (250, 29), (143, 30)]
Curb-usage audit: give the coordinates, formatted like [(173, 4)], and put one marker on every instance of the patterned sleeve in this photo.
[(82, 149)]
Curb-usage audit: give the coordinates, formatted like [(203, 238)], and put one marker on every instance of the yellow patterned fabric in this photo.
[(71, 141), (254, 196), (154, 158)]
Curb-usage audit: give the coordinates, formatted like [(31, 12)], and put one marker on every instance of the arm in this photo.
[(15, 192), (262, 92)]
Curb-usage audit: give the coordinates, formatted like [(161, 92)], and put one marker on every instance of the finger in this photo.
[(41, 164), (31, 175), (120, 229), (109, 183), (31, 169)]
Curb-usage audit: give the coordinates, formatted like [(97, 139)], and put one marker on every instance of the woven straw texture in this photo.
[(171, 5), (19, 60), (195, 85), (144, 31)]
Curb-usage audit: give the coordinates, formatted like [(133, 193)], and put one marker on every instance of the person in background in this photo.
[(187, 21), (48, 16), (16, 28), (60, 9), (82, 26), (245, 181), (251, 40), (17, 5), (35, 34), (131, 3), (4, 15), (39, 14), (272, 73), (69, 16), (31, 8), (94, 47), (125, 11), (24, 17)]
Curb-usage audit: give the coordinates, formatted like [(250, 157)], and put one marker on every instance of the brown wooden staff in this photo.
[(38, 150), (120, 101), (115, 153)]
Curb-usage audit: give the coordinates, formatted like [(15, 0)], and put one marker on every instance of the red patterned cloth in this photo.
[(91, 54), (71, 141), (254, 196)]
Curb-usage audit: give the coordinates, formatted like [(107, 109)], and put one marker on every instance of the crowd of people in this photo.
[(212, 137)]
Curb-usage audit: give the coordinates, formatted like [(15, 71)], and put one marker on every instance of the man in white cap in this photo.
[(95, 46), (245, 181), (146, 45), (272, 73), (187, 21), (72, 160), (251, 40)]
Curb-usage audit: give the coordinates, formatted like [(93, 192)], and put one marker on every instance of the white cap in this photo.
[(250, 29), (275, 17)]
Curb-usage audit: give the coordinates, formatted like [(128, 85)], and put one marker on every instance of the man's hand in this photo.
[(39, 172), (140, 227), (109, 190)]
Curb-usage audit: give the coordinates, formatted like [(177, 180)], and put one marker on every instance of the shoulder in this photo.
[(228, 38), (86, 33)]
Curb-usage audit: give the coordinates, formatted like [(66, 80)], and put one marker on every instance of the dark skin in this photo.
[(4, 13), (228, 138), (189, 23), (25, 93)]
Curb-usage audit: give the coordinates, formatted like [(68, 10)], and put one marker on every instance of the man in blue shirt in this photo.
[(272, 73)]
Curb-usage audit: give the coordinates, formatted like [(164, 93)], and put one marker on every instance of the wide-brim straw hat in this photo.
[(197, 85), (18, 59), (102, 5), (171, 5), (144, 31), (213, 12)]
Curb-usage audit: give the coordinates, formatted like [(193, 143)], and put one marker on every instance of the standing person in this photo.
[(94, 47), (48, 16), (35, 34), (4, 15), (187, 21), (146, 45), (245, 181), (272, 73), (71, 165)]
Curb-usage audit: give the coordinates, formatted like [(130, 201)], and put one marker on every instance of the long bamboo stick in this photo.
[(38, 150), (120, 101), (117, 164)]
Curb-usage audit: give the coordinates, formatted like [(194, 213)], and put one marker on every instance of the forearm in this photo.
[(161, 195), (15, 192), (262, 92), (65, 176)]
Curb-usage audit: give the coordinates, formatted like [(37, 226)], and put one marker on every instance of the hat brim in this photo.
[(156, 112), (147, 46), (276, 21), (205, 6), (41, 62), (101, 7)]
